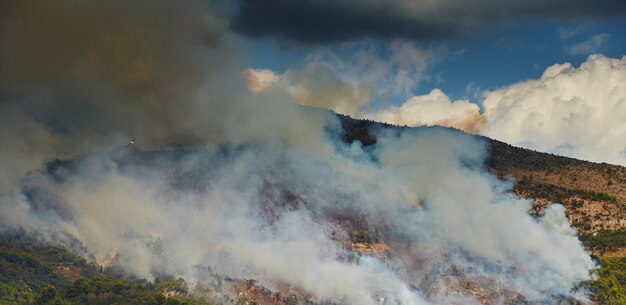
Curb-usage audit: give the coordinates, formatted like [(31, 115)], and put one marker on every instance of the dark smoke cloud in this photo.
[(76, 76), (106, 65), (136, 45), (314, 21)]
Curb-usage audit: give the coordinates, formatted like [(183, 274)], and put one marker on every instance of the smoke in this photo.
[(225, 207), (434, 108), (592, 45), (76, 76), (261, 188), (572, 111), (350, 77), (80, 77), (578, 112)]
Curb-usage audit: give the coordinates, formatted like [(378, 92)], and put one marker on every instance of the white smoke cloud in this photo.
[(434, 108), (348, 77), (260, 80), (594, 44), (220, 206), (314, 85), (577, 112), (573, 111), (395, 69)]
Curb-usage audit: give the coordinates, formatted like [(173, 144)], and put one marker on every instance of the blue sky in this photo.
[(484, 60)]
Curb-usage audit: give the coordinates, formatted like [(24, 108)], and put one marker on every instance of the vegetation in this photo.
[(604, 241), (505, 159), (610, 286), (22, 277), (245, 301), (557, 193), (33, 273), (358, 130), (361, 236), (102, 289)]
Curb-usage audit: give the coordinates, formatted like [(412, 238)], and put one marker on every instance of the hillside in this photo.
[(594, 195)]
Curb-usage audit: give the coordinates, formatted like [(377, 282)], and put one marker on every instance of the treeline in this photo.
[(37, 274), (103, 290)]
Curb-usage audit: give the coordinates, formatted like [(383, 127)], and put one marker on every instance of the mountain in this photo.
[(594, 194), (34, 271)]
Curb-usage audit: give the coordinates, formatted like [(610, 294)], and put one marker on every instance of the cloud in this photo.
[(577, 112), (566, 33), (434, 108), (592, 45), (260, 80), (325, 21), (313, 85), (570, 111), (581, 110), (350, 77)]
